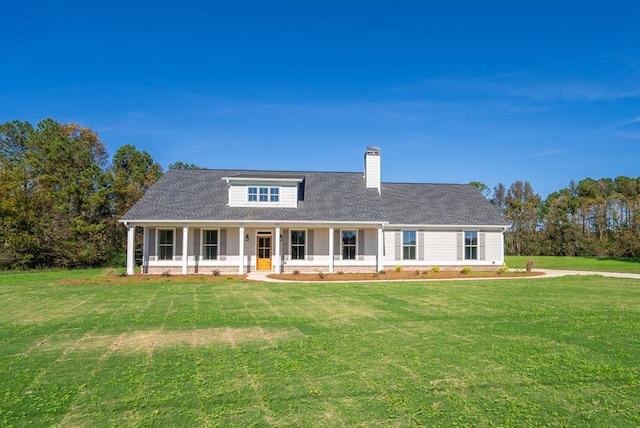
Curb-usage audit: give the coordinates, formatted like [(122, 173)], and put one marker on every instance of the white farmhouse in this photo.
[(236, 221)]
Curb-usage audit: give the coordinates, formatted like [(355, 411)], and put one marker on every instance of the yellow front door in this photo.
[(264, 253)]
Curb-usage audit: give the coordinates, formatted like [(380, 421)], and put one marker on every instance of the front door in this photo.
[(264, 253)]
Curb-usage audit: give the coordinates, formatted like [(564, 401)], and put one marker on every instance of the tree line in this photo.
[(595, 218), (61, 198)]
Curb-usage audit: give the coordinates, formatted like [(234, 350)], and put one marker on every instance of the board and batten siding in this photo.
[(238, 195)]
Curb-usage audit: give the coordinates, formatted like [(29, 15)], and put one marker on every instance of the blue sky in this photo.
[(452, 92)]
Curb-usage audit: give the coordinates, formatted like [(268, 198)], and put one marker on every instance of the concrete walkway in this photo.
[(262, 276)]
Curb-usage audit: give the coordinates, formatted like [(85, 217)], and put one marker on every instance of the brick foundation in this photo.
[(201, 270)]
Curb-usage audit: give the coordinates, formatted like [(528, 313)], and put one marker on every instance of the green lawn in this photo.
[(171, 352), (603, 264)]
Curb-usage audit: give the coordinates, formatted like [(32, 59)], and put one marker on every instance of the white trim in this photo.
[(380, 255), (241, 263), (306, 240), (331, 244), (131, 253), (262, 223), (276, 256), (258, 202), (249, 180), (185, 249), (202, 230), (173, 244)]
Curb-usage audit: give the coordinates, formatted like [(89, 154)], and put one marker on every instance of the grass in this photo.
[(601, 264), (545, 352)]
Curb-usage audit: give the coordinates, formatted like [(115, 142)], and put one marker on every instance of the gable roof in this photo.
[(202, 195)]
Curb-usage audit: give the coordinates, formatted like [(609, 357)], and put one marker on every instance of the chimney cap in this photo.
[(373, 150)]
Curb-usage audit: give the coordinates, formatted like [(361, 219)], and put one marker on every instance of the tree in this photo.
[(131, 173), (55, 195), (484, 189), (521, 211), (182, 165)]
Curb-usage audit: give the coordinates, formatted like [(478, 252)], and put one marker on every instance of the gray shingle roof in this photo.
[(202, 195), (437, 204)]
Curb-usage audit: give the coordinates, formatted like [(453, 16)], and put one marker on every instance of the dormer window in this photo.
[(272, 191), (263, 194), (253, 194)]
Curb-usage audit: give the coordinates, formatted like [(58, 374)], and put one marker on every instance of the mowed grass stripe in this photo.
[(512, 352)]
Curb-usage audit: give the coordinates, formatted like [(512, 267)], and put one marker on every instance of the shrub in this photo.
[(416, 272), (166, 273), (530, 265), (382, 272), (320, 275), (503, 269), (296, 272), (340, 272), (425, 272), (466, 270), (398, 268), (435, 269), (109, 272), (215, 272), (376, 274)]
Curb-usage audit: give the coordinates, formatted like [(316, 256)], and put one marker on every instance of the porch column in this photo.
[(185, 249), (241, 251), (276, 253), (145, 250), (330, 249), (380, 249), (131, 254)]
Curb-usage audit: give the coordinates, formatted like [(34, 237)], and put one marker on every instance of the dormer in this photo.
[(264, 191)]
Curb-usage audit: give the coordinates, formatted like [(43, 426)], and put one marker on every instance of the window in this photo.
[(349, 244), (253, 194), (209, 244), (297, 244), (274, 194), (470, 245), (409, 245), (165, 244), (263, 194)]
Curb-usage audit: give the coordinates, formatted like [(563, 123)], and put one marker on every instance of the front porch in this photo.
[(205, 248)]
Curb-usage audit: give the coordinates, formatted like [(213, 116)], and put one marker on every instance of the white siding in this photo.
[(493, 245), (320, 243), (372, 170), (389, 246), (233, 247), (440, 246), (370, 242), (238, 194)]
